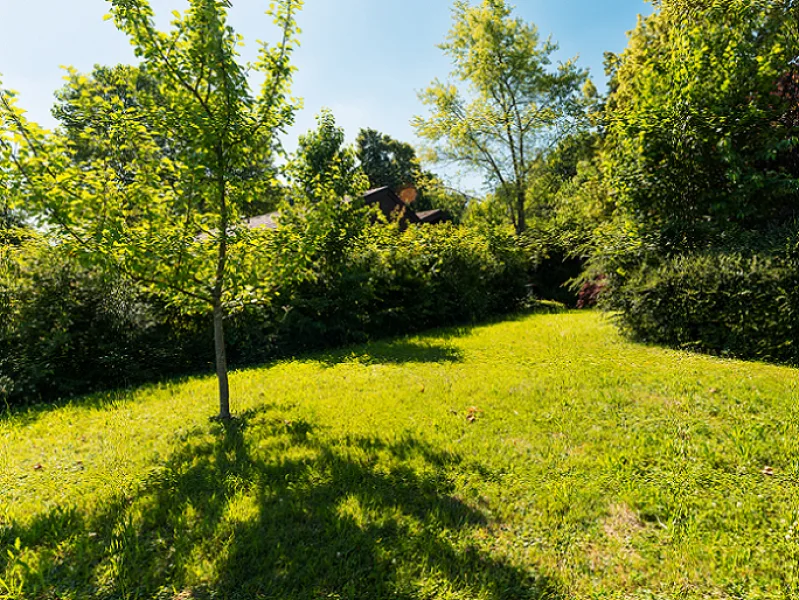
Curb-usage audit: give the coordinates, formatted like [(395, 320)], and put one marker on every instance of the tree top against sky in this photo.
[(365, 60)]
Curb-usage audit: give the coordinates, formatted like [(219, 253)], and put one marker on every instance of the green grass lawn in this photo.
[(542, 457)]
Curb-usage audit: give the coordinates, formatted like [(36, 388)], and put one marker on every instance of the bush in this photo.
[(66, 330), (381, 281), (731, 304), (591, 292), (440, 275)]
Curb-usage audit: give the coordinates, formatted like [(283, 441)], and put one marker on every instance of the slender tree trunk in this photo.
[(521, 220), (221, 362), (219, 313)]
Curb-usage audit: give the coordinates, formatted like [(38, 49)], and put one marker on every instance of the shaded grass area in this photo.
[(542, 457), (287, 517)]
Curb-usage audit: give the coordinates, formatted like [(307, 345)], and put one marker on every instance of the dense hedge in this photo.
[(66, 330), (385, 282), (744, 306)]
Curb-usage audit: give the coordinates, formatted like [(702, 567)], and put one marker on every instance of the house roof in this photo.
[(267, 221), (436, 215), (390, 203), (375, 191)]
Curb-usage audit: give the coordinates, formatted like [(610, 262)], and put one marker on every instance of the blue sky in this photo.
[(364, 59)]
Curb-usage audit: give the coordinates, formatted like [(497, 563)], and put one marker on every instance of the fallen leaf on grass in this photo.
[(472, 414)]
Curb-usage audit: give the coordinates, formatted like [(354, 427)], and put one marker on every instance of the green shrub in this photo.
[(440, 275), (382, 281), (66, 330), (745, 306)]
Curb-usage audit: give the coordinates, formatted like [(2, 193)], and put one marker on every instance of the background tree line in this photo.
[(671, 199), (126, 248)]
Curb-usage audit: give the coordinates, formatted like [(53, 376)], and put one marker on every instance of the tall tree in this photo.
[(512, 107), (700, 136), (385, 161), (174, 221), (391, 163)]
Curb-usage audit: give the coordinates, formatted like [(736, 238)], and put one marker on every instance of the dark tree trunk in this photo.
[(521, 220), (219, 313), (221, 362)]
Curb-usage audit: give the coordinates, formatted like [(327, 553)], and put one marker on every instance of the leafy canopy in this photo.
[(511, 108), (162, 194), (385, 161), (324, 166), (700, 139), (136, 89)]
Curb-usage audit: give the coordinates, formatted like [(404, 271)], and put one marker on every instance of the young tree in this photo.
[(512, 108), (127, 83), (134, 87), (171, 221)]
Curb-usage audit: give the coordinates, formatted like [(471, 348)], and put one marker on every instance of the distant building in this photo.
[(391, 205), (266, 221)]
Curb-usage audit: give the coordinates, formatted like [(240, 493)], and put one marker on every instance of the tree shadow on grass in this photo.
[(402, 351), (28, 414), (263, 508), (398, 352), (428, 346)]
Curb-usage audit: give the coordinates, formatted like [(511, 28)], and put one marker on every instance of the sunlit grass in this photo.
[(540, 457)]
